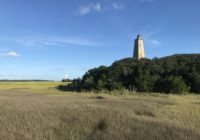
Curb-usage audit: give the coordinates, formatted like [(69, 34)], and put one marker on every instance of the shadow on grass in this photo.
[(147, 113), (69, 88), (196, 103), (90, 124), (98, 97), (140, 130), (99, 131)]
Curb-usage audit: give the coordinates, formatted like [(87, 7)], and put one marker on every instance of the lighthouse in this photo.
[(138, 48)]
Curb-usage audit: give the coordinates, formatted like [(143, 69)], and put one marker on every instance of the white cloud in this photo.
[(10, 54), (117, 6), (66, 76), (97, 7), (84, 10)]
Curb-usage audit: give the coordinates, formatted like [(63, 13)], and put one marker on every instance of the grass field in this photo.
[(28, 85), (38, 111)]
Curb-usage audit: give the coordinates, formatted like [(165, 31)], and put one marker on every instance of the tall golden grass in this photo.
[(47, 114)]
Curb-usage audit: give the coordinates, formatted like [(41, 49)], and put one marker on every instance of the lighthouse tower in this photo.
[(139, 48)]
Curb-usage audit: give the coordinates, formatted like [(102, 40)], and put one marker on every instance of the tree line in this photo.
[(176, 74)]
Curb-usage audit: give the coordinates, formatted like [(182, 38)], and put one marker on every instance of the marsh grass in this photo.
[(44, 113)]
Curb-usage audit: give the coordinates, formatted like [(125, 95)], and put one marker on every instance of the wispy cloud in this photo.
[(147, 0), (7, 75), (118, 6), (51, 41), (10, 54), (66, 69), (98, 7), (86, 9), (154, 42), (149, 37), (4, 49)]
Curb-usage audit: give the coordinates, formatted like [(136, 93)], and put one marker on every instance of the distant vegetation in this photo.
[(6, 80), (66, 80), (174, 74)]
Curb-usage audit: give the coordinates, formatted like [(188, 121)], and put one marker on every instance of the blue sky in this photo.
[(53, 39)]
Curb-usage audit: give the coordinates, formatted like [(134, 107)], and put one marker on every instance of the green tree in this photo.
[(195, 83), (100, 85), (177, 85), (172, 74), (173, 84), (88, 83)]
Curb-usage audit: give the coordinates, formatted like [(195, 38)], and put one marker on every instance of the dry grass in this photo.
[(48, 114)]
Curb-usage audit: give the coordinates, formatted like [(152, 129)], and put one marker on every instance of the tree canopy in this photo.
[(172, 74)]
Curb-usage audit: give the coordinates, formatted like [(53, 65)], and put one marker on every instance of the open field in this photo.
[(28, 85), (38, 111)]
